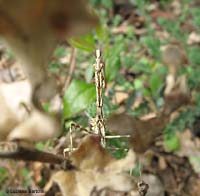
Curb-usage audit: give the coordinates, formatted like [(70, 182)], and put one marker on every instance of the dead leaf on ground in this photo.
[(196, 189), (178, 178), (156, 187), (16, 123), (176, 6), (162, 34), (189, 148), (8, 119), (143, 132), (37, 127), (121, 97), (194, 38), (16, 94), (137, 102), (162, 14), (177, 93), (96, 170)]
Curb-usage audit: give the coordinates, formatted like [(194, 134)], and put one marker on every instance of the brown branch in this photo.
[(26, 154)]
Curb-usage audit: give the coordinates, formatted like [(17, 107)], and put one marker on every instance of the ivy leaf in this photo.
[(78, 97)]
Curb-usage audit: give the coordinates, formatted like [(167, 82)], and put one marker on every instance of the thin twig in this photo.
[(72, 64)]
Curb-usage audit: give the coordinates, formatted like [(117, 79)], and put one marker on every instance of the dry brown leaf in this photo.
[(162, 34), (187, 145), (8, 119), (176, 6), (15, 94), (120, 97), (137, 102), (178, 178), (195, 189), (143, 132), (162, 163), (96, 170), (148, 116), (121, 29), (156, 187), (11, 95), (162, 14), (176, 93), (193, 38), (38, 126), (37, 171), (190, 149), (16, 123)]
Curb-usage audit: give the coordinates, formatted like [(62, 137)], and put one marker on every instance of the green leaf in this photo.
[(89, 72), (194, 55), (193, 76), (100, 32), (40, 146), (153, 46), (173, 27), (146, 92), (121, 144), (130, 32), (136, 170), (116, 20), (24, 172), (60, 51), (138, 84), (113, 60), (3, 174), (55, 67), (85, 42), (107, 3), (172, 142), (91, 110), (112, 67), (3, 193), (155, 83), (196, 17), (94, 2), (142, 66), (77, 97)]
